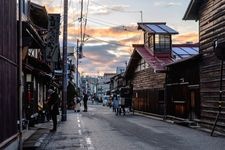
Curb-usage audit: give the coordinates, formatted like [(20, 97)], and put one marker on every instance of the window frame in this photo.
[(162, 43)]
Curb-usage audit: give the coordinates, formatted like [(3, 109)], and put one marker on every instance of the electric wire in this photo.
[(107, 41)]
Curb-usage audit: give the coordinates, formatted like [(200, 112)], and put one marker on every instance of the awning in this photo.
[(31, 38), (27, 68), (38, 15), (38, 65)]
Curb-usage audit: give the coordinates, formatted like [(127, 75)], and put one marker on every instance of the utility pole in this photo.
[(64, 92), (141, 16), (20, 77), (81, 23), (77, 61)]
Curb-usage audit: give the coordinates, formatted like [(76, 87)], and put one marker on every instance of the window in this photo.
[(149, 40), (162, 43), (142, 65)]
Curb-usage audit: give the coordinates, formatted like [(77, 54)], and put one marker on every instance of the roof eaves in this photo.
[(132, 57), (192, 10), (196, 56)]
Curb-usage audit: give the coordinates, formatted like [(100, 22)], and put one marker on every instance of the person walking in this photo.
[(53, 105), (116, 104), (77, 104), (85, 99)]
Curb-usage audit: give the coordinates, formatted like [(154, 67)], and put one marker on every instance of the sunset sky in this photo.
[(112, 28)]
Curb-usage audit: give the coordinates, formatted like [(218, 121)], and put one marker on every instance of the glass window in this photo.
[(162, 43), (141, 65), (150, 41), (146, 38)]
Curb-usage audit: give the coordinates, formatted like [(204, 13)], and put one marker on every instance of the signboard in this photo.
[(52, 39)]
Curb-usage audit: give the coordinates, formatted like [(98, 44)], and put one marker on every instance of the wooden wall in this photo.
[(148, 89), (212, 27), (147, 79), (8, 70), (149, 100)]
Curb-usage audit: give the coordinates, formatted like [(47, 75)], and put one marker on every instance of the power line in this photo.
[(107, 41), (123, 27), (105, 22)]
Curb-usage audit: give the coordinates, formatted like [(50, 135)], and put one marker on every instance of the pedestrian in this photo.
[(53, 106), (77, 104), (116, 104), (85, 99)]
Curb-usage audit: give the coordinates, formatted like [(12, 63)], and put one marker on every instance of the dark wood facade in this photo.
[(182, 89), (210, 14), (148, 86), (148, 91), (8, 71)]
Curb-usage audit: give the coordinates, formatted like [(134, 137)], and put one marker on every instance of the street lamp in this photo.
[(219, 50)]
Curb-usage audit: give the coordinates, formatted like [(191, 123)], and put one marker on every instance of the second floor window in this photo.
[(162, 43), (149, 40)]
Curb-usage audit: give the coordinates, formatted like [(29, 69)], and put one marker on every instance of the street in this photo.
[(101, 129)]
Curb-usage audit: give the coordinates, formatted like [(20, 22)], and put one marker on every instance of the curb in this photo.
[(178, 121)]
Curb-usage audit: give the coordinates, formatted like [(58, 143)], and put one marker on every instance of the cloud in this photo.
[(186, 37), (100, 59), (166, 4), (100, 9)]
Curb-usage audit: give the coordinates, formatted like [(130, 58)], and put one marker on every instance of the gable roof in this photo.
[(158, 64), (192, 10), (156, 28)]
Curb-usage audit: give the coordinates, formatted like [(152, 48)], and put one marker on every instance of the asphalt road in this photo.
[(103, 130)]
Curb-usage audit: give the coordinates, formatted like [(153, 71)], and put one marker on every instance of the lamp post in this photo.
[(219, 47)]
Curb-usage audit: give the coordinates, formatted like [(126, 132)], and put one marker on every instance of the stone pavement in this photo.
[(68, 135)]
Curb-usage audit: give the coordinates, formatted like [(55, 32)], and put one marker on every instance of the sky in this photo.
[(111, 28)]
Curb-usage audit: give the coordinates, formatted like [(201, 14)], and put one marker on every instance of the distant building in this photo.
[(104, 83), (74, 74), (120, 70)]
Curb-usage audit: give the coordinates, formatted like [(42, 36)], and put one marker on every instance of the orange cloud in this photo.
[(186, 37), (56, 9)]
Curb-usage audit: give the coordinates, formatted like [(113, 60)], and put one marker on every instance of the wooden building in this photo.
[(41, 55), (116, 82), (182, 94), (210, 14), (146, 70), (9, 76)]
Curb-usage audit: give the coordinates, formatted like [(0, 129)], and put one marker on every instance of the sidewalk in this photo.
[(67, 136), (34, 137)]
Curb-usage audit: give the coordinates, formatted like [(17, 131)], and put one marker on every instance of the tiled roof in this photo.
[(158, 64), (182, 51)]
